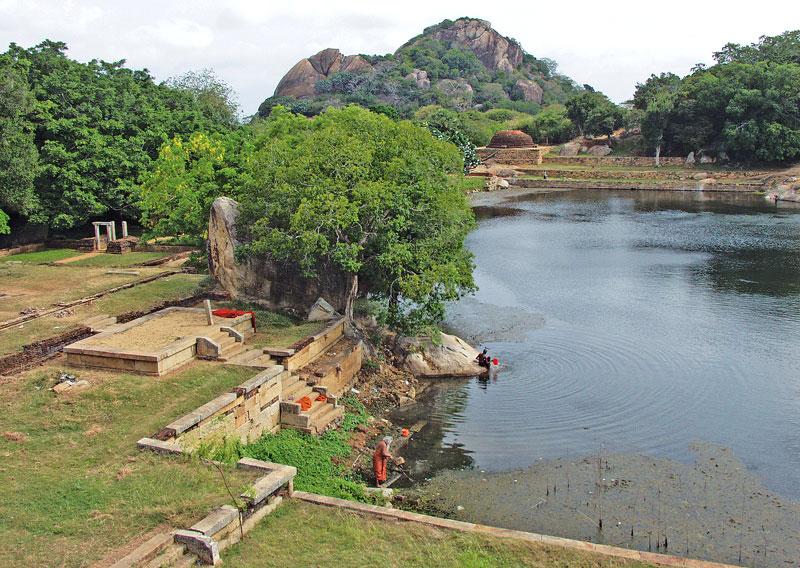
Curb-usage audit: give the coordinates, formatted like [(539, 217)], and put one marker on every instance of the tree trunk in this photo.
[(658, 156), (351, 296)]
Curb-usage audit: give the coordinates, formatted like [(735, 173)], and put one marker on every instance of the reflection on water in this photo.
[(639, 322), (630, 325)]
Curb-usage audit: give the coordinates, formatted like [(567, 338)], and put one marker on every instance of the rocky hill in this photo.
[(459, 64)]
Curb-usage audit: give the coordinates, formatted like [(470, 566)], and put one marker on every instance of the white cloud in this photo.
[(252, 43)]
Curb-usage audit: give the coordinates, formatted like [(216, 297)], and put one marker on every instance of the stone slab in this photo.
[(261, 378), (216, 520), (208, 409), (202, 546), (158, 446)]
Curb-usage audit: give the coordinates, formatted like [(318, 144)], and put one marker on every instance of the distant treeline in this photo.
[(746, 106)]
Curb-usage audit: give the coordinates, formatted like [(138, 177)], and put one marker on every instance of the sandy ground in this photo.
[(712, 509), (158, 332)]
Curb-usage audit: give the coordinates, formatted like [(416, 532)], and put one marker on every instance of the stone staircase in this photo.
[(253, 357), (317, 417)]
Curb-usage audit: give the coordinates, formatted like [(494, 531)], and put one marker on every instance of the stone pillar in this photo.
[(209, 315), (124, 229), (96, 235), (113, 226)]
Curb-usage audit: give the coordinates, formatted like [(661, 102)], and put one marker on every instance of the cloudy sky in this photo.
[(251, 44)]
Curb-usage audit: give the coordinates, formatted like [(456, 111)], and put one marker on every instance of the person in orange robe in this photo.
[(379, 460)]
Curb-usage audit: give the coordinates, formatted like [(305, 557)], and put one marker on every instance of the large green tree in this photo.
[(593, 113), (97, 127), (369, 196), (18, 154)]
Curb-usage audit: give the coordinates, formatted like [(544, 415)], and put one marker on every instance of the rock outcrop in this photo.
[(301, 79), (530, 90), (599, 151), (278, 285), (420, 77), (450, 357), (570, 149), (495, 51)]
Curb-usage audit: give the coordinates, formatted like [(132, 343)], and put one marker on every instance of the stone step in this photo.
[(324, 416), (246, 356), (297, 389), (264, 361), (225, 341), (230, 351), (146, 552), (175, 556)]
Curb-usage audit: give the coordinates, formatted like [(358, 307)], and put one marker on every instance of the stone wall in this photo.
[(21, 249), (306, 350), (624, 161), (247, 411), (511, 156)]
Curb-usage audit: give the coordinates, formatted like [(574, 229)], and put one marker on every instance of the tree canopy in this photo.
[(373, 197), (747, 106), (78, 136)]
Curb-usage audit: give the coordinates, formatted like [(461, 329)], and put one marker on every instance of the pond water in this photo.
[(633, 323)]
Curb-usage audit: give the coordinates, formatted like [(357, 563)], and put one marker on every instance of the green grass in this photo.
[(138, 298), (276, 329), (119, 260), (150, 294), (470, 183), (317, 458), (40, 257), (302, 534), (77, 487)]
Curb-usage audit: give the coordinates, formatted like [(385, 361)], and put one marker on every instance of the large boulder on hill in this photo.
[(449, 357), (495, 51), (278, 285), (570, 149), (420, 77), (529, 90), (599, 151), (299, 82)]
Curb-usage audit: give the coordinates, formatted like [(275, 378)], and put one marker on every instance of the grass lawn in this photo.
[(276, 329), (470, 183), (119, 260), (40, 257), (132, 299), (73, 486), (302, 534)]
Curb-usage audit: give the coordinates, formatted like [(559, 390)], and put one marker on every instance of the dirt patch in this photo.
[(158, 332), (15, 436)]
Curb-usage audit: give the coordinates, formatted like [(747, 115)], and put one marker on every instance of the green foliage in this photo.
[(593, 113), (215, 98), (18, 154), (783, 48), (96, 128), (176, 195), (445, 126), (551, 126), (655, 84), (315, 459), (356, 414), (369, 196)]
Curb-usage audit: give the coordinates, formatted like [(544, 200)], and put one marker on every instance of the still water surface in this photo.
[(637, 322)]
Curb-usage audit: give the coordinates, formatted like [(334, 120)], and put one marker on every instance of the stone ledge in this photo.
[(198, 415), (265, 486), (202, 546), (462, 526), (159, 446), (216, 520), (261, 378)]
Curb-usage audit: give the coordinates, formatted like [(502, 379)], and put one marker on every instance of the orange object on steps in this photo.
[(322, 398), (305, 403), (405, 433)]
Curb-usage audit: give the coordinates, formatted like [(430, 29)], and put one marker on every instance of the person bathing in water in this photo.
[(484, 360)]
